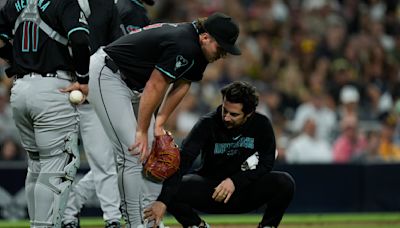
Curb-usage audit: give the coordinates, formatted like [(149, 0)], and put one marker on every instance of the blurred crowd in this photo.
[(327, 72)]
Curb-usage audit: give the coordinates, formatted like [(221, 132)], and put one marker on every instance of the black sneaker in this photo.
[(113, 224), (71, 225)]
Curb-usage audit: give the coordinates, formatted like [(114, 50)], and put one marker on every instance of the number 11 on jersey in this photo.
[(30, 37)]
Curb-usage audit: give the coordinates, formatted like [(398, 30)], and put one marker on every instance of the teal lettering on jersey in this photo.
[(18, 6), (21, 4), (224, 148)]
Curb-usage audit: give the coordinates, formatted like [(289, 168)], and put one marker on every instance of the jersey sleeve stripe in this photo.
[(165, 72), (77, 29)]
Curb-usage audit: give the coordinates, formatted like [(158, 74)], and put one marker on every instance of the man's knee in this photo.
[(286, 183)]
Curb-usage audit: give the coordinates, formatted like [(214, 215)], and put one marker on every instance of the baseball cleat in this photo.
[(71, 225), (114, 224)]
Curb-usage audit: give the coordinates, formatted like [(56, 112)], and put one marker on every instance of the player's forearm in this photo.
[(151, 98), (81, 55), (174, 97)]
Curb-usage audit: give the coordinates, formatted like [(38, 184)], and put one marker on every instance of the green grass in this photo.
[(350, 220)]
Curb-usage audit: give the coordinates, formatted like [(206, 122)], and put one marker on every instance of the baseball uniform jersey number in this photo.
[(30, 37)]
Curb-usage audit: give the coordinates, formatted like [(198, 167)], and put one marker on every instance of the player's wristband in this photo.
[(82, 78), (4, 37)]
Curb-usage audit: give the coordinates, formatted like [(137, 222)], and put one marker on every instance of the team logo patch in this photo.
[(180, 62)]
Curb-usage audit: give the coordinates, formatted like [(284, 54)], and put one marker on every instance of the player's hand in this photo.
[(155, 212), (84, 88), (76, 86), (141, 146), (224, 191)]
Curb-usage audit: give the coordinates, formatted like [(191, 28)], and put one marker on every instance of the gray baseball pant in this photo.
[(114, 104), (48, 126), (102, 178)]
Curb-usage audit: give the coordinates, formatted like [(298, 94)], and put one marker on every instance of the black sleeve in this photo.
[(265, 145), (6, 51), (115, 30), (5, 35), (191, 148), (77, 29), (175, 61), (81, 55), (5, 24)]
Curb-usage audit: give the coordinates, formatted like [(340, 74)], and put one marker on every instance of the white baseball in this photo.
[(76, 96)]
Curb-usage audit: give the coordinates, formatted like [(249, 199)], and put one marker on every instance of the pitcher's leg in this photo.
[(100, 155), (111, 100), (130, 184)]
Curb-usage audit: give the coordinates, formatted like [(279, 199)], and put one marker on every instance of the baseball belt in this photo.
[(60, 74), (110, 64)]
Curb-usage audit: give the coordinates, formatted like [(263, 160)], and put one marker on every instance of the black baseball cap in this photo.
[(224, 30)]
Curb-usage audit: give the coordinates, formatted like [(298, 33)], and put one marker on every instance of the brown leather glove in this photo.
[(164, 159)]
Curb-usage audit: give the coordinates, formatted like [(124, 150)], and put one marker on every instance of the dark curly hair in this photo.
[(243, 93)]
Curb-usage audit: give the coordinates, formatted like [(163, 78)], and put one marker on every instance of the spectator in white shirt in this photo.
[(324, 117), (307, 148)]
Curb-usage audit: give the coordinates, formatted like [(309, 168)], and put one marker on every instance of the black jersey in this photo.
[(104, 23), (33, 50), (173, 49), (229, 148), (224, 150), (133, 15)]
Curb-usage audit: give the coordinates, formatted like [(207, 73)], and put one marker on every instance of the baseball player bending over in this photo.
[(129, 79), (237, 147), (42, 33)]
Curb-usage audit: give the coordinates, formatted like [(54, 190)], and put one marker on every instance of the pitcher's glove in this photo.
[(164, 159)]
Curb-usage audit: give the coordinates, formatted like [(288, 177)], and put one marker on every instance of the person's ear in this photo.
[(205, 36)]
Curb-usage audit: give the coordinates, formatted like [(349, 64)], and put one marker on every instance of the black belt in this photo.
[(110, 64), (45, 75)]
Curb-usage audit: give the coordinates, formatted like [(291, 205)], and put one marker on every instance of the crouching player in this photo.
[(237, 147)]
